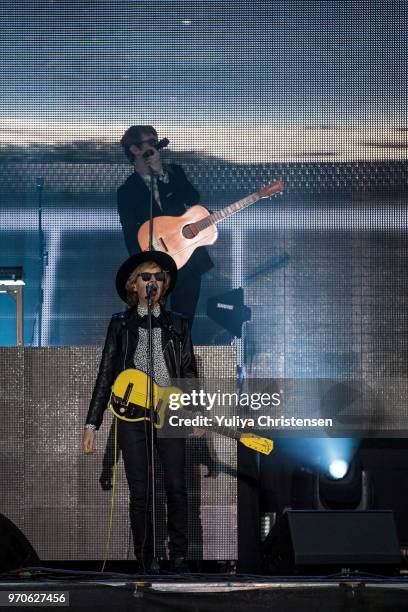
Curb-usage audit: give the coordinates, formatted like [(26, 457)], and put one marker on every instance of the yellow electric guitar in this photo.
[(130, 401)]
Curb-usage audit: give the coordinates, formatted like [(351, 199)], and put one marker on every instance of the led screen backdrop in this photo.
[(310, 92)]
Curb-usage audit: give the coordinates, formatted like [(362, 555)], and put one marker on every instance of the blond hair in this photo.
[(132, 298)]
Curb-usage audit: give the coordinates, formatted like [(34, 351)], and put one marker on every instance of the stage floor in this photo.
[(202, 592)]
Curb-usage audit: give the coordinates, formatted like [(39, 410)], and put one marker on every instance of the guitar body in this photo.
[(177, 236), (180, 236), (129, 401)]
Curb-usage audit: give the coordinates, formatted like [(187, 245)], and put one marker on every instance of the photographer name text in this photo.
[(204, 421)]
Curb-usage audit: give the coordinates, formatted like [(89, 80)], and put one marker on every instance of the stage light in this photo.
[(331, 477), (338, 469)]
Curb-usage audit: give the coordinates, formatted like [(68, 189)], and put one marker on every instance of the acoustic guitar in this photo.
[(129, 401), (180, 236)]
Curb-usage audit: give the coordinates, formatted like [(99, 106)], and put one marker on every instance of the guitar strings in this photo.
[(176, 234)]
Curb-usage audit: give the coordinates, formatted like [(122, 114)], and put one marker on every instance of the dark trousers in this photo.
[(184, 297), (134, 442)]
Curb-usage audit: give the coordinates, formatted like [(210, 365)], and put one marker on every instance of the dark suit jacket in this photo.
[(175, 197)]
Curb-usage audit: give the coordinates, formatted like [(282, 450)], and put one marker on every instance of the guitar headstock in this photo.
[(271, 189), (257, 443)]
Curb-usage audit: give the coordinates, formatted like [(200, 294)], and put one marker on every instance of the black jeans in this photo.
[(184, 297), (134, 442)]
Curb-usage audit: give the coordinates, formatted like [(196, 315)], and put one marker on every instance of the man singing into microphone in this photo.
[(172, 195), (126, 347)]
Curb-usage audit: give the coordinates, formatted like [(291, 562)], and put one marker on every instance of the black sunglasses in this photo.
[(151, 141), (146, 276)]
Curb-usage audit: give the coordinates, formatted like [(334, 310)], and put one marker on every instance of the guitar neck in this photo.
[(227, 211), (223, 430), (228, 432)]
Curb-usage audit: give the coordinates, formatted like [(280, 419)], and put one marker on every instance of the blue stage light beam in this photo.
[(338, 469), (320, 453)]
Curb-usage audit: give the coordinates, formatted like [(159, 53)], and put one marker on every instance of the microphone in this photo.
[(150, 291), (160, 145)]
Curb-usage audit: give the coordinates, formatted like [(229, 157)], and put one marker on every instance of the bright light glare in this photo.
[(338, 468)]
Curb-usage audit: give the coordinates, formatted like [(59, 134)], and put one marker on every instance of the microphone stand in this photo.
[(155, 563), (42, 256)]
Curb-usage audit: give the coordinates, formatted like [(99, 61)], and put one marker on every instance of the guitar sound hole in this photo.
[(189, 231), (186, 231)]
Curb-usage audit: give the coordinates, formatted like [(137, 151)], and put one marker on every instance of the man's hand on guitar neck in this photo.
[(88, 441)]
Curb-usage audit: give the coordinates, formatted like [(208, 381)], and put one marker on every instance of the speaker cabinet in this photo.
[(330, 541), (15, 550)]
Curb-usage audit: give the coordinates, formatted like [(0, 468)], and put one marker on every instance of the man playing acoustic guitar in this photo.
[(173, 357), (172, 195)]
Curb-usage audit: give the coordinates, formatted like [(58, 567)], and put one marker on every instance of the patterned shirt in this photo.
[(160, 373)]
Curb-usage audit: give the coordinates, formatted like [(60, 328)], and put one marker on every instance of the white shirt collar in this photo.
[(142, 310)]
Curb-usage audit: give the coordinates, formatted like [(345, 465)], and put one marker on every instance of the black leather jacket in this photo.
[(120, 346)]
